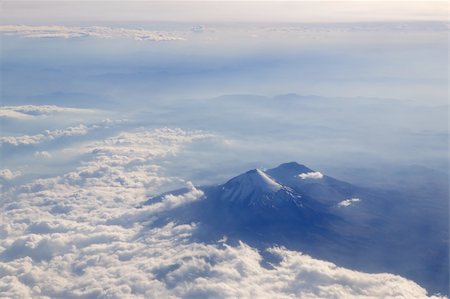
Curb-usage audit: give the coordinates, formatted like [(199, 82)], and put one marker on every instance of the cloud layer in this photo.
[(79, 32), (85, 234), (33, 111), (47, 135)]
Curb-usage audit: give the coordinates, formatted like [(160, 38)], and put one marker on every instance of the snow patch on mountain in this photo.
[(252, 187), (255, 178)]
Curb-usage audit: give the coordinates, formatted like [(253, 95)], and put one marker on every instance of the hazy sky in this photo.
[(221, 11)]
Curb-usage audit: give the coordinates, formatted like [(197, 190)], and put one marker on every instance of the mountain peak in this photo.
[(254, 188), (255, 179), (291, 167)]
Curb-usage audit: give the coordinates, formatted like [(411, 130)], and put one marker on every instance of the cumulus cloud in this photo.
[(93, 31), (164, 263), (168, 202), (33, 111), (60, 238), (348, 202), (7, 174), (47, 135), (311, 175)]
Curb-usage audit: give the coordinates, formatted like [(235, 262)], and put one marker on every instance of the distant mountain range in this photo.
[(302, 209)]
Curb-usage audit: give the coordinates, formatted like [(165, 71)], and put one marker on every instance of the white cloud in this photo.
[(60, 238), (34, 111), (311, 175), (47, 135), (42, 155), (6, 113), (93, 31), (22, 140), (162, 262), (348, 202), (7, 174), (168, 202)]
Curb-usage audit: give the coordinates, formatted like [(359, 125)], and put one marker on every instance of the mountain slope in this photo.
[(313, 184), (299, 208), (255, 202)]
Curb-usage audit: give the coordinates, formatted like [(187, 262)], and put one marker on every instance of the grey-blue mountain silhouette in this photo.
[(302, 209)]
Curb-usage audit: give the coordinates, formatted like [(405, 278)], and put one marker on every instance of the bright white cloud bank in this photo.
[(85, 235), (93, 31), (311, 175)]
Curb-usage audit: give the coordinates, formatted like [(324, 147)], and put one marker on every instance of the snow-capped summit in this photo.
[(254, 179), (255, 187)]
